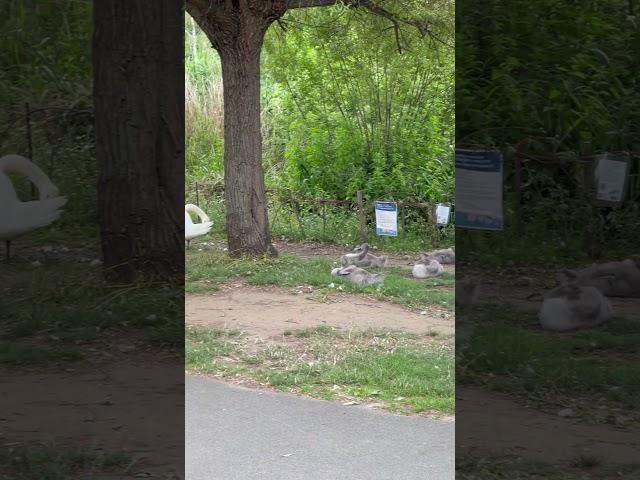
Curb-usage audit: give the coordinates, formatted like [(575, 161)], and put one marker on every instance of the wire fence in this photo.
[(331, 215)]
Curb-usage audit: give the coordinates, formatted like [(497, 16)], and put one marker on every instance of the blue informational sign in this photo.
[(386, 219), (479, 183)]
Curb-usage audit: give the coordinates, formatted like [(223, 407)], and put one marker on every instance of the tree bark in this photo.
[(246, 214), (140, 137), (237, 31)]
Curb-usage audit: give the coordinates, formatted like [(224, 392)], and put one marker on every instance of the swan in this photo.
[(571, 306), (17, 217), (362, 258), (357, 275), (193, 230), (427, 268), (446, 256), (613, 279), (351, 258)]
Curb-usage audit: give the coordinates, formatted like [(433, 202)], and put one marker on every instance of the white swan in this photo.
[(17, 217), (193, 230)]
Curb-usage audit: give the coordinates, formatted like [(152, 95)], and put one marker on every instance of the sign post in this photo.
[(611, 177), (479, 184), (386, 219), (443, 213)]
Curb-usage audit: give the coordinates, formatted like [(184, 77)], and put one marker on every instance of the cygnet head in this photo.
[(467, 292)]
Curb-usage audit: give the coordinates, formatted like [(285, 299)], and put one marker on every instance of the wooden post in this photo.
[(324, 219), (593, 240), (27, 118), (587, 169), (517, 190), (296, 209), (362, 219)]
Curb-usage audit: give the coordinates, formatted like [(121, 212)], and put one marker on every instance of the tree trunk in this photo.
[(236, 30), (247, 221), (140, 136)]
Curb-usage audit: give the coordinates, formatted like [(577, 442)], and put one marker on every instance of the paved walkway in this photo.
[(236, 433)]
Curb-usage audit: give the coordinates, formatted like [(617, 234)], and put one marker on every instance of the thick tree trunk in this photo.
[(140, 136), (247, 221), (236, 30)]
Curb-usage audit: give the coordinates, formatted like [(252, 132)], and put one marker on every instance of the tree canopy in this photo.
[(348, 104)]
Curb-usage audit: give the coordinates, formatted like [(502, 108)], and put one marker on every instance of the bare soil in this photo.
[(269, 312), (514, 428), (103, 402)]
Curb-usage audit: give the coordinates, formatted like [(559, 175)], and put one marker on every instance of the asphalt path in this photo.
[(244, 434)]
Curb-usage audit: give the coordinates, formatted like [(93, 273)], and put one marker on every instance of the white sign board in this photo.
[(610, 176), (443, 212), (479, 181), (387, 219)]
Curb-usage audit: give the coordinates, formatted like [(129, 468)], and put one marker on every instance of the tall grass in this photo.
[(46, 62)]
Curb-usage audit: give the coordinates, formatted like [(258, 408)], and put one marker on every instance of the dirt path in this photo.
[(268, 313), (101, 404), (493, 424)]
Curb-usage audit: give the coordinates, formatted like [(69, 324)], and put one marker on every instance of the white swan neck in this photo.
[(197, 211), (24, 166)]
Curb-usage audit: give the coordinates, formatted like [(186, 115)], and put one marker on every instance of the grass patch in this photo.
[(513, 468), (507, 356), (406, 372), (52, 308), (39, 463), (208, 269), (18, 354)]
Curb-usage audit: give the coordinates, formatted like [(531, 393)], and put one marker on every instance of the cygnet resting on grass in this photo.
[(362, 258), (357, 275), (613, 279), (445, 257), (427, 268), (572, 306)]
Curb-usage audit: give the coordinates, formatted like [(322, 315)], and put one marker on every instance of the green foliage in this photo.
[(338, 115), (45, 60), (583, 83), (545, 77)]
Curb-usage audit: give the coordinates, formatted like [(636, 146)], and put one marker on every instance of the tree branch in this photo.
[(375, 8), (312, 3)]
